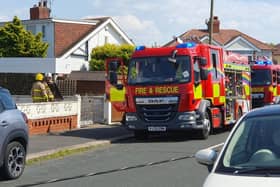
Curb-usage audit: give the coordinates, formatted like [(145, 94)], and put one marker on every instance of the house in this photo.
[(230, 39), (70, 42), (276, 54)]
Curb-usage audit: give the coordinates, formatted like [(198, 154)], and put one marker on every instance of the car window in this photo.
[(1, 107), (6, 99), (255, 143)]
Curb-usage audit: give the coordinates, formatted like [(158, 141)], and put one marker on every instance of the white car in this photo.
[(251, 154)]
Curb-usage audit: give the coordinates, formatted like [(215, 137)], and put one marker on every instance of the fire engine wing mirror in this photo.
[(113, 66), (202, 60), (113, 78), (173, 57)]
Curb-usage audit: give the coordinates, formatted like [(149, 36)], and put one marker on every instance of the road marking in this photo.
[(107, 171), (216, 146)]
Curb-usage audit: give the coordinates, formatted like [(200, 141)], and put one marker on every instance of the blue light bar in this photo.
[(261, 62), (186, 45), (140, 48)]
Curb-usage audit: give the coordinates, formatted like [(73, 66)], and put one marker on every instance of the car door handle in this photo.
[(4, 123)]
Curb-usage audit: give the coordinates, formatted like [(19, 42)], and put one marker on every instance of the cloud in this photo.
[(258, 19), (147, 22), (144, 32), (157, 21)]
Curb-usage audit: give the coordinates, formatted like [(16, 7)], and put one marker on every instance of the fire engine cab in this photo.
[(265, 83), (190, 86)]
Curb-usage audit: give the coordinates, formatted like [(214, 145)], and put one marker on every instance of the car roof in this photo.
[(265, 111)]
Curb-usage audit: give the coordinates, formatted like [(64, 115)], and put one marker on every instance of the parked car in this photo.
[(13, 137), (251, 153)]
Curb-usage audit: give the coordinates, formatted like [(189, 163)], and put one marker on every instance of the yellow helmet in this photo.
[(39, 77)]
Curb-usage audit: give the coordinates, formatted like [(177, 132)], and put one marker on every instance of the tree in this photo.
[(100, 54), (15, 41)]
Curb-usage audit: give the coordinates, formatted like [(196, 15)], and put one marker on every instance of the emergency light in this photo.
[(186, 45), (261, 62), (140, 48)]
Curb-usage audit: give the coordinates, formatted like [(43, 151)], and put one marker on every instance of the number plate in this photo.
[(157, 129)]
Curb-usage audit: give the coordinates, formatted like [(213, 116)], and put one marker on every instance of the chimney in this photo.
[(216, 24), (40, 12)]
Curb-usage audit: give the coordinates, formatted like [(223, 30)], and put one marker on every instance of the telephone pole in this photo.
[(211, 22)]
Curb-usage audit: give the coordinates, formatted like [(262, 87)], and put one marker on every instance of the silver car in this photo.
[(251, 154), (13, 137)]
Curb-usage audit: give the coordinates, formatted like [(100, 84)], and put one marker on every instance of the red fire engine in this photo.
[(191, 86), (265, 83)]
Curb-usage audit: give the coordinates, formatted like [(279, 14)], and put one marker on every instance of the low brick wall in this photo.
[(49, 117), (54, 124)]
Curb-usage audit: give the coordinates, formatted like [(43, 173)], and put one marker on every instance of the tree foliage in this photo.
[(16, 41), (100, 54)]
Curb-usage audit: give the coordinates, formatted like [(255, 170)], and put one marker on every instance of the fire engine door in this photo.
[(115, 83)]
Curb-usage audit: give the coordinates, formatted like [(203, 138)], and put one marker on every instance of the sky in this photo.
[(156, 22)]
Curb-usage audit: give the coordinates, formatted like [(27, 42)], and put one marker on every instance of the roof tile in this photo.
[(223, 37)]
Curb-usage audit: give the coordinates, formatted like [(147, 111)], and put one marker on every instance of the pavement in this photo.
[(91, 135)]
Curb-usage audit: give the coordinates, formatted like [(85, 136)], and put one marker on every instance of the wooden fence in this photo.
[(67, 87)]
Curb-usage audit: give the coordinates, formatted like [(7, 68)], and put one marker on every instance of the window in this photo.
[(250, 59), (196, 73), (6, 99), (274, 77), (106, 39), (278, 76), (1, 107), (215, 64), (44, 31)]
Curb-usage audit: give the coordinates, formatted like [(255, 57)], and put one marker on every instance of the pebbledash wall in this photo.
[(72, 113)]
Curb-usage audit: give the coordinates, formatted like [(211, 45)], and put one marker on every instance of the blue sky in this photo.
[(157, 21)]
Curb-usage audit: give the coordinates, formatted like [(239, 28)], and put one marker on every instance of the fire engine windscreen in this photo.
[(261, 77), (159, 70)]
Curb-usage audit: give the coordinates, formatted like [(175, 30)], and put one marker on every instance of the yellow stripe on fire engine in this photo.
[(222, 99), (260, 89), (197, 90), (247, 90), (117, 95), (216, 90), (273, 90), (236, 67)]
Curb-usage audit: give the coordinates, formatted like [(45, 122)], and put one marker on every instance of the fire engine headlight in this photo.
[(130, 118), (187, 117)]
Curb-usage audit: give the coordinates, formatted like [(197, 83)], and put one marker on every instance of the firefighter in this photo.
[(53, 88), (38, 92), (48, 89)]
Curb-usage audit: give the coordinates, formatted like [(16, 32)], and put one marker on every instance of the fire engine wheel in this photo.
[(204, 133)]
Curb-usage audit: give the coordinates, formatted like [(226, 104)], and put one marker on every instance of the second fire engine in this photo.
[(265, 83)]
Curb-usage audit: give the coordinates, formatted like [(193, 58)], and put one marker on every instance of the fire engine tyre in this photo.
[(204, 133), (141, 135), (14, 161)]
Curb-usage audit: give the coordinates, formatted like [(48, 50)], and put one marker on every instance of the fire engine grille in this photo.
[(257, 103), (157, 113), (157, 109)]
